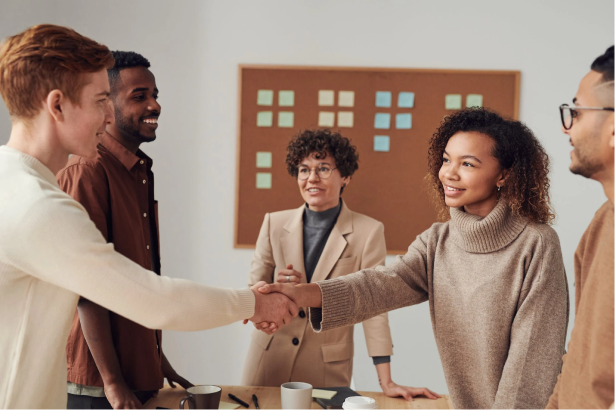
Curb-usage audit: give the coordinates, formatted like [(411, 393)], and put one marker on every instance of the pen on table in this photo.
[(255, 400), (238, 400)]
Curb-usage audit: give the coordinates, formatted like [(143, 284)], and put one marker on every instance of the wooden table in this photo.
[(269, 398)]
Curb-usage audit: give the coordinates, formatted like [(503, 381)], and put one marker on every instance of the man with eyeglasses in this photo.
[(587, 380)]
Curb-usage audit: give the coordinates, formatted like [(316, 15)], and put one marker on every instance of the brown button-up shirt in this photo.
[(117, 189)]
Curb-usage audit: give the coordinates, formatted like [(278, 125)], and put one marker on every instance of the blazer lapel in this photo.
[(292, 243), (335, 245)]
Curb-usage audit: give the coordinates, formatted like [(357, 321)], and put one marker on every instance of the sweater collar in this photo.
[(33, 164), (495, 231), (322, 220)]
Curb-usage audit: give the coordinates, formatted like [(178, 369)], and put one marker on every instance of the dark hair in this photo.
[(516, 148), (323, 143), (604, 65), (125, 59)]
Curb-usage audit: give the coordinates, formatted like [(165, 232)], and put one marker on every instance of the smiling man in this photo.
[(113, 361)]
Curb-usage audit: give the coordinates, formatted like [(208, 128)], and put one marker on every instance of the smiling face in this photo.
[(136, 107), (84, 121), (320, 194), (591, 134), (470, 173)]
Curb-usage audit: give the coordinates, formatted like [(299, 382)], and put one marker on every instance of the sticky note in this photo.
[(474, 100), (263, 180), (383, 98), (229, 406), (403, 121), (452, 102), (264, 97), (323, 394), (326, 97), (345, 99), (405, 100), (382, 121), (326, 119), (345, 119), (286, 98), (286, 119), (381, 143), (264, 119), (263, 160)]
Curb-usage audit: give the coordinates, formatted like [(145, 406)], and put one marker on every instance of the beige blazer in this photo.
[(296, 352)]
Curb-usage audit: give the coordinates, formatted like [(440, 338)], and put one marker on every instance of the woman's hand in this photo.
[(289, 275), (392, 389)]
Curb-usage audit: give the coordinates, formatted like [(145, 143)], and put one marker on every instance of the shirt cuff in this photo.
[(381, 359)]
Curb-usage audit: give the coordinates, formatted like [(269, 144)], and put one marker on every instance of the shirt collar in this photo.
[(127, 158)]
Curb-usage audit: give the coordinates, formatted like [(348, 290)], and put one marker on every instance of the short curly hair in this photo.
[(517, 150), (125, 59), (323, 142)]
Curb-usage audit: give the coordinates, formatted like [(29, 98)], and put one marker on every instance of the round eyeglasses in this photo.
[(568, 114), (323, 171)]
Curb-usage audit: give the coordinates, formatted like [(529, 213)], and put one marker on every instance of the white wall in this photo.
[(195, 48)]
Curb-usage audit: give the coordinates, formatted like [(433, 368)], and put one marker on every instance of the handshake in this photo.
[(277, 303)]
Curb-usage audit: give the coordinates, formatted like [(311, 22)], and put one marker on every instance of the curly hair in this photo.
[(323, 142), (125, 59), (517, 150)]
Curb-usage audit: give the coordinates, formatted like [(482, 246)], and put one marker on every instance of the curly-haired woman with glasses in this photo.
[(492, 273), (323, 239)]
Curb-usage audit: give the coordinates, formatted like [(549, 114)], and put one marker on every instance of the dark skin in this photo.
[(136, 110)]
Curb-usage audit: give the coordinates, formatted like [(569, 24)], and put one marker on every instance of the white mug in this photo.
[(296, 395), (359, 402)]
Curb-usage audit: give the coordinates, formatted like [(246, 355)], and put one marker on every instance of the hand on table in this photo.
[(392, 389), (171, 375), (289, 275), (276, 309), (121, 397)]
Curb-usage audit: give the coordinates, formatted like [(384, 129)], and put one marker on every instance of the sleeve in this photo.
[(88, 187), (359, 296), (538, 333), (554, 399), (263, 264), (376, 329), (56, 242)]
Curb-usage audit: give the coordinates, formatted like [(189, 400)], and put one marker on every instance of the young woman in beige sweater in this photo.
[(493, 273)]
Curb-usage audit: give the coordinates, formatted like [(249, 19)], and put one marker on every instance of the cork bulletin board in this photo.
[(389, 114)]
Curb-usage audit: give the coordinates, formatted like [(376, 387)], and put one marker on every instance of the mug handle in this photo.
[(190, 401)]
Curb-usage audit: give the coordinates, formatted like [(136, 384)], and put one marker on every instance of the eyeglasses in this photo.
[(323, 171), (569, 113)]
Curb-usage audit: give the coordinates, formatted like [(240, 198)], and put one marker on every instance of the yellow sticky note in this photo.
[(326, 97), (345, 99), (326, 119), (263, 180), (323, 394), (345, 119), (225, 405)]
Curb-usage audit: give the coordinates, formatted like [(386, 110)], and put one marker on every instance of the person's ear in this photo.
[(611, 131), (502, 179), (346, 181), (54, 101)]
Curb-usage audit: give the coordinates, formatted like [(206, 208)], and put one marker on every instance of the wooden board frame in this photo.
[(241, 67)]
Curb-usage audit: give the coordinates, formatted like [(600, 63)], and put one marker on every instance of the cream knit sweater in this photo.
[(50, 253), (498, 299)]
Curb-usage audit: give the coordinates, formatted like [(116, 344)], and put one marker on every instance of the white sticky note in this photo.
[(263, 180), (264, 97), (326, 97), (474, 100), (263, 160), (326, 119), (452, 102), (345, 119), (345, 99), (323, 394)]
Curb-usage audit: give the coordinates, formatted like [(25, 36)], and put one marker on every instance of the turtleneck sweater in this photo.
[(498, 300), (317, 227)]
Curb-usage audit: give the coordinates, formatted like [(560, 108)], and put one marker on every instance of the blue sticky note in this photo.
[(405, 100), (403, 121), (381, 143), (286, 98), (452, 101), (382, 121), (265, 97), (383, 98), (263, 180), (264, 119), (286, 119)]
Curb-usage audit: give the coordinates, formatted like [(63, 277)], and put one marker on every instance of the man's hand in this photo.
[(274, 308), (121, 397), (304, 295), (289, 275), (171, 375)]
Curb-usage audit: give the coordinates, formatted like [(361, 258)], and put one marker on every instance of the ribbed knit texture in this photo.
[(50, 253), (498, 299)]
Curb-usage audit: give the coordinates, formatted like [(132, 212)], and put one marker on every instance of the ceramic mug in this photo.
[(296, 395), (202, 397)]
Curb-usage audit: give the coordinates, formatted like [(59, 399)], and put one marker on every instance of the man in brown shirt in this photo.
[(586, 380), (112, 361)]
